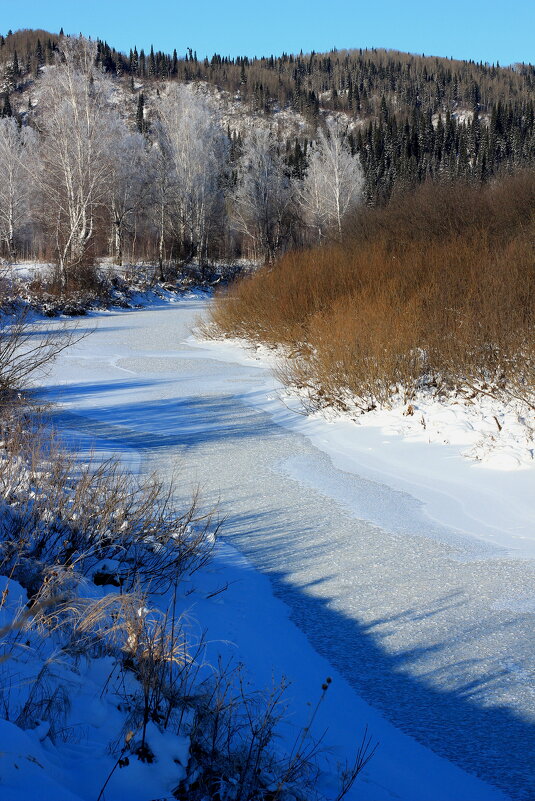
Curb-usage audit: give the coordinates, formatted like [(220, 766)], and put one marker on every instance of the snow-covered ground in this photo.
[(471, 462), (382, 560)]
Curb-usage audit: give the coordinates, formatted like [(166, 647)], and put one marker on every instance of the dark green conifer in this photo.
[(140, 113)]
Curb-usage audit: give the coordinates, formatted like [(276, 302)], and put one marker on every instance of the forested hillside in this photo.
[(410, 117), (98, 166)]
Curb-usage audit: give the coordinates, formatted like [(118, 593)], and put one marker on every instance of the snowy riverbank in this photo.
[(337, 557), (470, 463)]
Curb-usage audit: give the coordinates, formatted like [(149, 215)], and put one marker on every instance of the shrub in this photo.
[(436, 289)]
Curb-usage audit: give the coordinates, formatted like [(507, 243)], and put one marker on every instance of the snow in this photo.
[(76, 767), (24, 271), (356, 551), (450, 455), (268, 638)]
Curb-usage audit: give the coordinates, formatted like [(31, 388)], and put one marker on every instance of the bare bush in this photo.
[(25, 352), (47, 701), (437, 289), (64, 514), (235, 749)]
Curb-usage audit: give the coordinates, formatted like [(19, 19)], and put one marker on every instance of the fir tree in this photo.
[(7, 111), (140, 113)]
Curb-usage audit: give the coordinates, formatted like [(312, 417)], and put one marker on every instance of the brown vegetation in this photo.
[(436, 289)]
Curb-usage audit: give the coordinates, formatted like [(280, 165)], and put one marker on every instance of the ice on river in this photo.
[(372, 568)]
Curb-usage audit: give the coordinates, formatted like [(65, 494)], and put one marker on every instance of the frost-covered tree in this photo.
[(127, 183), (77, 122), (163, 183), (195, 146), (262, 196), (333, 183), (17, 152)]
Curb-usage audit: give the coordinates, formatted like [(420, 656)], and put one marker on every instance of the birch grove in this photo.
[(262, 197), (81, 180), (127, 184), (197, 151), (17, 147)]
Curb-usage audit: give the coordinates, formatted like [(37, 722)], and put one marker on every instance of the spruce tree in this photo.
[(140, 115), (39, 54), (7, 111)]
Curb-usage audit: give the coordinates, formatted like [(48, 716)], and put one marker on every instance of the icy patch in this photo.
[(495, 434), (372, 501)]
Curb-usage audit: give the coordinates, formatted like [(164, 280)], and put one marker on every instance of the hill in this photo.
[(409, 117)]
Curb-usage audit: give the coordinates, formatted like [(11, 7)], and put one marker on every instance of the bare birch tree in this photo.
[(164, 190), (127, 183), (333, 184), (196, 146), (262, 196), (77, 123), (17, 150)]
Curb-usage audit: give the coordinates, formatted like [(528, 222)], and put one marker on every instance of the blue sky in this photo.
[(483, 30)]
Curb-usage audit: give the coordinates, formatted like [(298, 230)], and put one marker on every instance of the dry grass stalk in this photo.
[(437, 289)]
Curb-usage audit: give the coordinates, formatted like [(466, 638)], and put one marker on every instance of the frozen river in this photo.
[(420, 620)]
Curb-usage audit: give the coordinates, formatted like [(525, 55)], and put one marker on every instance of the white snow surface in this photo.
[(472, 463), (352, 550)]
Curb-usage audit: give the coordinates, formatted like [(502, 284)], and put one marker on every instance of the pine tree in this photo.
[(135, 62), (7, 111), (39, 54), (140, 113)]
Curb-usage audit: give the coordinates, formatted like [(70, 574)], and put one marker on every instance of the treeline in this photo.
[(434, 291), (351, 80), (397, 154), (84, 179), (22, 54), (412, 117), (415, 117)]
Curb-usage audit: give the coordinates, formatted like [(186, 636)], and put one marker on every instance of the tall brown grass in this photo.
[(436, 289)]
